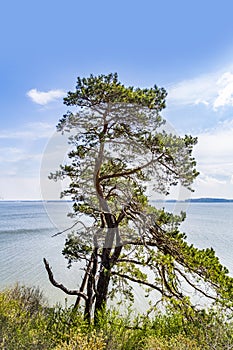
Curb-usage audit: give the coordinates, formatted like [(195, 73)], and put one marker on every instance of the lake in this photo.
[(26, 230)]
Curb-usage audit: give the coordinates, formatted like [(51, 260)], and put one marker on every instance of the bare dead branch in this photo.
[(61, 286), (84, 281), (69, 228)]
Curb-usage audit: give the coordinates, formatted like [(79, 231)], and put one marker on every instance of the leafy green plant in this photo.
[(27, 323), (179, 342), (23, 320), (80, 341)]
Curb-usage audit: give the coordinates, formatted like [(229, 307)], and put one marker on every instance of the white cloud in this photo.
[(215, 161), (216, 144), (30, 131), (194, 91), (210, 181), (214, 90), (225, 92), (21, 151), (26, 163), (204, 102), (43, 98), (207, 186), (11, 154), (19, 162), (17, 155), (14, 188)]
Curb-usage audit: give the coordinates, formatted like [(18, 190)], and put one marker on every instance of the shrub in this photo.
[(179, 342), (80, 341), (27, 323), (22, 320)]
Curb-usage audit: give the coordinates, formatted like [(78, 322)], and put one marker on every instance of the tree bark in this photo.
[(106, 265), (91, 286), (101, 292)]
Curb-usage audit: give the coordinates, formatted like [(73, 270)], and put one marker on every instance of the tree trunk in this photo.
[(101, 292), (91, 285), (107, 263)]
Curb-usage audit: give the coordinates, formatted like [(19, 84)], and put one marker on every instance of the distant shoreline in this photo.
[(190, 200), (35, 201), (197, 200)]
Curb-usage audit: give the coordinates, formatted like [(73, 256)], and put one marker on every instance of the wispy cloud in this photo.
[(214, 90), (13, 155), (19, 163), (21, 150), (45, 97), (19, 188), (214, 161), (30, 131), (209, 186), (225, 92), (216, 144), (194, 91)]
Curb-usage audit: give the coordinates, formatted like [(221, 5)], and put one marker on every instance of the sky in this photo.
[(184, 46)]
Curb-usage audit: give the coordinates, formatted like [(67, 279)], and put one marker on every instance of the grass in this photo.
[(27, 322)]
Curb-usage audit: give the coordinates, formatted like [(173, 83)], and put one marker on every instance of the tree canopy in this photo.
[(119, 147)]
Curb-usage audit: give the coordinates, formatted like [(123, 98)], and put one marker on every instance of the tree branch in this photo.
[(194, 286), (129, 172), (59, 285), (83, 284), (169, 168), (140, 282), (69, 228), (132, 261)]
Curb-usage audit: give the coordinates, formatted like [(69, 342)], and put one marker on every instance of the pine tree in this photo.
[(119, 147)]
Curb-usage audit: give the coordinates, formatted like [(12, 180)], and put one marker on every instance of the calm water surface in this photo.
[(26, 230)]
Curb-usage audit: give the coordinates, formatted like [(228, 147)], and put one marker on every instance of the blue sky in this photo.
[(186, 47)]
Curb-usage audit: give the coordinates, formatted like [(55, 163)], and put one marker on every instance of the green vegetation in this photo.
[(119, 146), (26, 322)]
